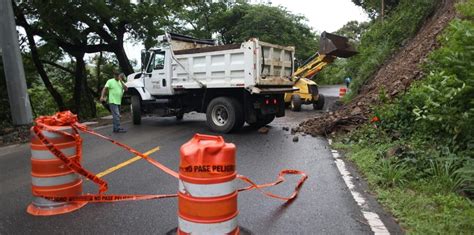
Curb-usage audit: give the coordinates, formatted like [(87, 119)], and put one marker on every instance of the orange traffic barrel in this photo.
[(342, 92), (207, 197), (51, 177)]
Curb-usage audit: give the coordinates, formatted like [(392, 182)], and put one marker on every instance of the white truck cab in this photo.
[(232, 84)]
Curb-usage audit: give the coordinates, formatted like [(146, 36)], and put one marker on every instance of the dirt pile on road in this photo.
[(394, 77)]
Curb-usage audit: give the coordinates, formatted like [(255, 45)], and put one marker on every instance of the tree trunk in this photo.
[(84, 105), (89, 96), (122, 58), (78, 76), (97, 74)]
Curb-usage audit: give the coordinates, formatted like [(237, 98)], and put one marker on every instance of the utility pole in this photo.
[(20, 107)]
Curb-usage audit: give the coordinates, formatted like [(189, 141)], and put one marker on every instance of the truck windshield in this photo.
[(157, 61)]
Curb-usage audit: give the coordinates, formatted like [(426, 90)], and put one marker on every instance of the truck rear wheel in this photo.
[(136, 110), (319, 104), (224, 114), (295, 104)]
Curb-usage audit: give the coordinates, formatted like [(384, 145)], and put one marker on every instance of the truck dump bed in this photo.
[(250, 64)]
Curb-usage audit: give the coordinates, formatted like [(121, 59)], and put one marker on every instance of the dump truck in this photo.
[(331, 46), (232, 84)]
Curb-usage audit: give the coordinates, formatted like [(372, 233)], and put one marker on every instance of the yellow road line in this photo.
[(125, 163)]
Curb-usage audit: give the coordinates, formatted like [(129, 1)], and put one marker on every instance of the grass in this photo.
[(422, 206), (419, 160)]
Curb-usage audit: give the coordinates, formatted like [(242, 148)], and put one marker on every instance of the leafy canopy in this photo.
[(374, 7), (267, 23)]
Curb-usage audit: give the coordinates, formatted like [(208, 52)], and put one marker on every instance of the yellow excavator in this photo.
[(331, 46)]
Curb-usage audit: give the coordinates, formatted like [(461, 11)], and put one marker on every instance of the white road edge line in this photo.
[(376, 225)]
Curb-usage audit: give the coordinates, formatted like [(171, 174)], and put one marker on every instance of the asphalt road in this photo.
[(324, 206)]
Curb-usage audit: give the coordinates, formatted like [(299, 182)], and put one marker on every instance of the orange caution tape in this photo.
[(280, 179), (67, 118)]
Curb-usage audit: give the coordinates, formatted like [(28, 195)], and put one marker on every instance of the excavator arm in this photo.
[(331, 46), (315, 64)]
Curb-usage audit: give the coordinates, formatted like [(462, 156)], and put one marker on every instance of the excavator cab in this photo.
[(331, 46)]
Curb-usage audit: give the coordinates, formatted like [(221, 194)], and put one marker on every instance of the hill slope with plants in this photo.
[(389, 60), (410, 125)]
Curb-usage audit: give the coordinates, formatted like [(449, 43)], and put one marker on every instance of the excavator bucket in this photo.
[(335, 45)]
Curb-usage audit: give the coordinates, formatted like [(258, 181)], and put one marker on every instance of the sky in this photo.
[(325, 15), (322, 15)]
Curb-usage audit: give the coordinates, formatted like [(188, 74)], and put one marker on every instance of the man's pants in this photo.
[(115, 109)]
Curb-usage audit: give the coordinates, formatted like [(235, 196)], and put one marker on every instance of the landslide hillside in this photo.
[(393, 78)]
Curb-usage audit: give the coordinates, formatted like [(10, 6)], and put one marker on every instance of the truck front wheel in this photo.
[(224, 114), (136, 108)]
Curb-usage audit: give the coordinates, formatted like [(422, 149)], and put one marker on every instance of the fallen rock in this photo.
[(263, 130), (356, 111), (294, 130), (285, 128), (296, 139)]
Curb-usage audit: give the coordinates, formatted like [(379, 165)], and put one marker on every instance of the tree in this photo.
[(353, 30), (270, 24), (81, 27), (374, 7), (199, 17)]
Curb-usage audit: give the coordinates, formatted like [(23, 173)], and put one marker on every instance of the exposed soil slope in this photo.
[(394, 77)]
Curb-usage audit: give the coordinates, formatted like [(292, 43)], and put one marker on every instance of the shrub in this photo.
[(435, 116)]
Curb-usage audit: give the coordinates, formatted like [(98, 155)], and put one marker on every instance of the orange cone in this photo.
[(207, 198), (51, 177), (342, 92)]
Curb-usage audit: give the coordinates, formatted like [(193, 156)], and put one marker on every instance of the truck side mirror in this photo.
[(145, 56)]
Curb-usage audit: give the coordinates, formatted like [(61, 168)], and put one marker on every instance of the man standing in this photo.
[(112, 94), (347, 81)]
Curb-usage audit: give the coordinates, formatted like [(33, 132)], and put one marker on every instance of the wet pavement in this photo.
[(324, 205)]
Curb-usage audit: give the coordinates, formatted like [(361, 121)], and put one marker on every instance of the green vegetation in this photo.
[(269, 24), (237, 23), (374, 7), (419, 156), (381, 39), (422, 205), (333, 74)]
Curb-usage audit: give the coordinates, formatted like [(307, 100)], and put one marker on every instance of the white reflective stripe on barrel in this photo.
[(50, 134), (41, 202), (52, 181), (46, 154), (207, 190), (206, 229)]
